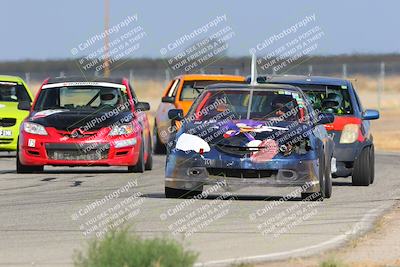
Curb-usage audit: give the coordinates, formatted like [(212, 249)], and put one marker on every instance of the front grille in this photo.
[(236, 150), (7, 122), (5, 141), (76, 152), (241, 173)]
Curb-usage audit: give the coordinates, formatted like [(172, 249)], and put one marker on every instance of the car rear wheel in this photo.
[(140, 165), (362, 169), (149, 162), (181, 193), (159, 147), (21, 168)]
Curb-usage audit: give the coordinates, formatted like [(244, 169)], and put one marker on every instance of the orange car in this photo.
[(180, 94)]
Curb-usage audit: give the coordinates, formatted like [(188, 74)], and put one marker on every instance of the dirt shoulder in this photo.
[(379, 247)]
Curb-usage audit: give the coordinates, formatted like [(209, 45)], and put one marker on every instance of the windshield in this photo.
[(278, 105), (13, 92), (192, 89), (329, 99), (81, 97)]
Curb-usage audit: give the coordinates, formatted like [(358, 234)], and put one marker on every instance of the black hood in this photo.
[(87, 120)]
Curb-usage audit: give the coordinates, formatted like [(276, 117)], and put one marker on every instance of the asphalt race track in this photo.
[(43, 217)]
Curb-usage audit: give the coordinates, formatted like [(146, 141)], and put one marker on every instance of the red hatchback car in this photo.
[(76, 122)]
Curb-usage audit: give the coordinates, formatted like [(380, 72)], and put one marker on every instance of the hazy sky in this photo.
[(48, 29)]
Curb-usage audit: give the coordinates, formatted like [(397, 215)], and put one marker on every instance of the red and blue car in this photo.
[(80, 122), (354, 153)]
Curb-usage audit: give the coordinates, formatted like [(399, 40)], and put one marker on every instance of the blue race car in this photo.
[(354, 153), (250, 135)]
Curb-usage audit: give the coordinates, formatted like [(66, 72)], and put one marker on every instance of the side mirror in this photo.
[(142, 106), (175, 114), (24, 105), (168, 99), (370, 114), (325, 118)]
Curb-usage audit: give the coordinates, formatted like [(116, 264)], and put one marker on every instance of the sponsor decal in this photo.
[(31, 142), (189, 142), (7, 83), (67, 84), (45, 113), (269, 148), (248, 126)]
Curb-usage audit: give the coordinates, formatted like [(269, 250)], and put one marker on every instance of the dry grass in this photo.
[(370, 83)]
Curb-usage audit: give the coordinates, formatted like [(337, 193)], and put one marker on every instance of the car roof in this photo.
[(117, 80), (9, 78), (256, 87), (303, 80), (212, 77)]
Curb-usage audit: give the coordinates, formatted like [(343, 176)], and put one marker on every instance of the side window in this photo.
[(174, 87), (360, 108)]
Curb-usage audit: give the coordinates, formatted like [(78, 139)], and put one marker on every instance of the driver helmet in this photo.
[(108, 97), (281, 102), (333, 101)]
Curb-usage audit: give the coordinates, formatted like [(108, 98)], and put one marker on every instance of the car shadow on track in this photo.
[(7, 155), (342, 183), (236, 197), (80, 171)]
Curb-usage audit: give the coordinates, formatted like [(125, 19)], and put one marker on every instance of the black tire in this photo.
[(180, 193), (362, 169), (149, 162), (372, 164), (322, 180), (158, 146), (140, 165), (317, 196), (328, 180), (21, 168)]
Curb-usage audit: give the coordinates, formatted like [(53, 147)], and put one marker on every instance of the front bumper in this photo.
[(36, 150), (191, 171)]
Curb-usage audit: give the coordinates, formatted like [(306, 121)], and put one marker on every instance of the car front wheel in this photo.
[(372, 163), (318, 196), (328, 180), (362, 169), (21, 168), (140, 164)]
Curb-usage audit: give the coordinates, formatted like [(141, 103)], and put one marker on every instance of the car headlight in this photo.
[(34, 128), (122, 129), (349, 133), (189, 142)]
